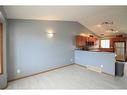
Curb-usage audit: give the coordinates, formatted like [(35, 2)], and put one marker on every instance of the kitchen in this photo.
[(101, 54)]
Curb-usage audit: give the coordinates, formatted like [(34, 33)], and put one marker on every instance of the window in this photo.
[(1, 49), (105, 44)]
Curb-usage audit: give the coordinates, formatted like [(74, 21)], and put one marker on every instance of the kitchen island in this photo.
[(104, 61)]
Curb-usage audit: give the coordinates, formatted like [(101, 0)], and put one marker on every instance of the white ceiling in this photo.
[(89, 16)]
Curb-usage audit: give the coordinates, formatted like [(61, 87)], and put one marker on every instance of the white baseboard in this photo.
[(93, 68)]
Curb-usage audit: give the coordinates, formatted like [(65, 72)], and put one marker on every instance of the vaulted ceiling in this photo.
[(91, 17)]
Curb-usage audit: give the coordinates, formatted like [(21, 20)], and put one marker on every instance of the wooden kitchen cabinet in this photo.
[(80, 41), (83, 41), (91, 40)]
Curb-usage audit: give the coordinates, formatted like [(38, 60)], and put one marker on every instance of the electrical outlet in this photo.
[(101, 66), (18, 71)]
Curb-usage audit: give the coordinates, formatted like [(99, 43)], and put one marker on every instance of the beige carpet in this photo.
[(70, 77)]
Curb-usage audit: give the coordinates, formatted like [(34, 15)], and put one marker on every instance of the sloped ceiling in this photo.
[(89, 16)]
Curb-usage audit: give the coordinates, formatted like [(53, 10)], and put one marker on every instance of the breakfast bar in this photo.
[(105, 61)]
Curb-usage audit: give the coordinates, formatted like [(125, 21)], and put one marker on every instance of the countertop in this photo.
[(95, 50)]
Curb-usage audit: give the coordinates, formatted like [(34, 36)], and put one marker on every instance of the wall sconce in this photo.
[(50, 33)]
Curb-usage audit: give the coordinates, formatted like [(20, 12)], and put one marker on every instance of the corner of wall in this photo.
[(3, 77)]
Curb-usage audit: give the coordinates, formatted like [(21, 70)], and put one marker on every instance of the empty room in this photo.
[(63, 47)]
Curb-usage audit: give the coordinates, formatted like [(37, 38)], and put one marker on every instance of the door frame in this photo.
[(1, 48)]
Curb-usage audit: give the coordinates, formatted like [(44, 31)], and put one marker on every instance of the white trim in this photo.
[(93, 68)]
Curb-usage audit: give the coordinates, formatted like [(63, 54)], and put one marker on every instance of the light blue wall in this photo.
[(3, 77), (96, 59), (31, 51)]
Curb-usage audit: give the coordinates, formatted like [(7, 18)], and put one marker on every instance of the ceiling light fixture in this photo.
[(111, 30), (108, 26), (107, 23), (102, 34)]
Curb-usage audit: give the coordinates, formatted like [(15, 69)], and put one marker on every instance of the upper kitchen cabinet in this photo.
[(80, 41), (83, 41), (91, 40)]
